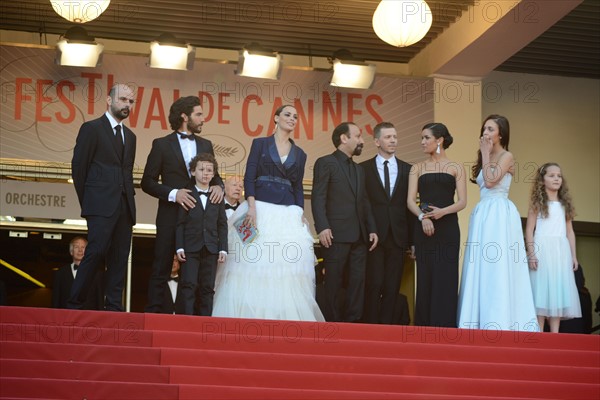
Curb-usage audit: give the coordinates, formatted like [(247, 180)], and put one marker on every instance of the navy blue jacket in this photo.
[(269, 180)]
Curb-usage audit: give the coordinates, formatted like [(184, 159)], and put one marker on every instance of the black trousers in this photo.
[(164, 249), (385, 265), (344, 261), (197, 275), (109, 241)]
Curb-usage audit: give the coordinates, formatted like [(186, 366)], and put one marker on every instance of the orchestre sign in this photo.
[(57, 201), (37, 199)]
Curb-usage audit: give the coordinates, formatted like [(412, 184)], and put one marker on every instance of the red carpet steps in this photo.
[(63, 354)]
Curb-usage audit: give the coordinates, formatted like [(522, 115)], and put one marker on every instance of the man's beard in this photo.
[(120, 113), (196, 129), (357, 150)]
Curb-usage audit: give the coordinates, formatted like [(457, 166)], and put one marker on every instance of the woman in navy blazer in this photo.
[(273, 277), (269, 179)]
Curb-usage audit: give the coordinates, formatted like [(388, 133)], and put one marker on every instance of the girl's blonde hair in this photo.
[(539, 198)]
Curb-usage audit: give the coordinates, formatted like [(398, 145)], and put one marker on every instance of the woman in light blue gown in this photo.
[(495, 290)]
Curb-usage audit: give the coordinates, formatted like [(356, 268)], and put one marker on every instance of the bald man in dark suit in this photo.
[(102, 171)]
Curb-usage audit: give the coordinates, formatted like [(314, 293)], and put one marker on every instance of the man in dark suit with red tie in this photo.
[(166, 177), (344, 222), (387, 186), (102, 171)]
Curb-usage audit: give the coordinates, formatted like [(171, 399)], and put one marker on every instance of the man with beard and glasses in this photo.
[(166, 177), (102, 171), (344, 222)]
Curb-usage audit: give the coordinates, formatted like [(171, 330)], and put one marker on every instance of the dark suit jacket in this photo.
[(166, 170), (99, 174), (200, 227), (264, 161), (339, 205), (61, 290), (390, 212)]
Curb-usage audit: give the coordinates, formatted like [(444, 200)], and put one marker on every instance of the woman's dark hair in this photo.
[(280, 108), (503, 132), (440, 130)]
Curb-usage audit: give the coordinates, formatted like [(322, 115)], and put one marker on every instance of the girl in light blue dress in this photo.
[(551, 248)]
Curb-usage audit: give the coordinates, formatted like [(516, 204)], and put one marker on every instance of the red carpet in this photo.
[(63, 354)]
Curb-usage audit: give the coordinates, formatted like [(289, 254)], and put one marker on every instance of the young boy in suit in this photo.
[(201, 240)]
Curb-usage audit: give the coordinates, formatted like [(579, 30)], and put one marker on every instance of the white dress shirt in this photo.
[(203, 199), (392, 166), (114, 123), (229, 212), (189, 150)]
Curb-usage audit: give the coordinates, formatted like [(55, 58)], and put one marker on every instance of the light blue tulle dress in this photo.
[(495, 290), (553, 283)]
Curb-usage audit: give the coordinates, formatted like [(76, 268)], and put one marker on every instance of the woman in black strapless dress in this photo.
[(442, 192)]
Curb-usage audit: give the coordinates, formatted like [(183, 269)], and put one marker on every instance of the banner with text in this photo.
[(43, 106)]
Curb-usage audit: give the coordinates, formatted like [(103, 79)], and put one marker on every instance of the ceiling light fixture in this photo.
[(80, 11), (351, 73), (168, 52), (77, 49), (402, 23), (258, 62)]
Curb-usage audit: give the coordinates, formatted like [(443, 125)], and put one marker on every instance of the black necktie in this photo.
[(119, 140), (230, 207), (75, 266), (386, 177), (351, 171), (184, 136)]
